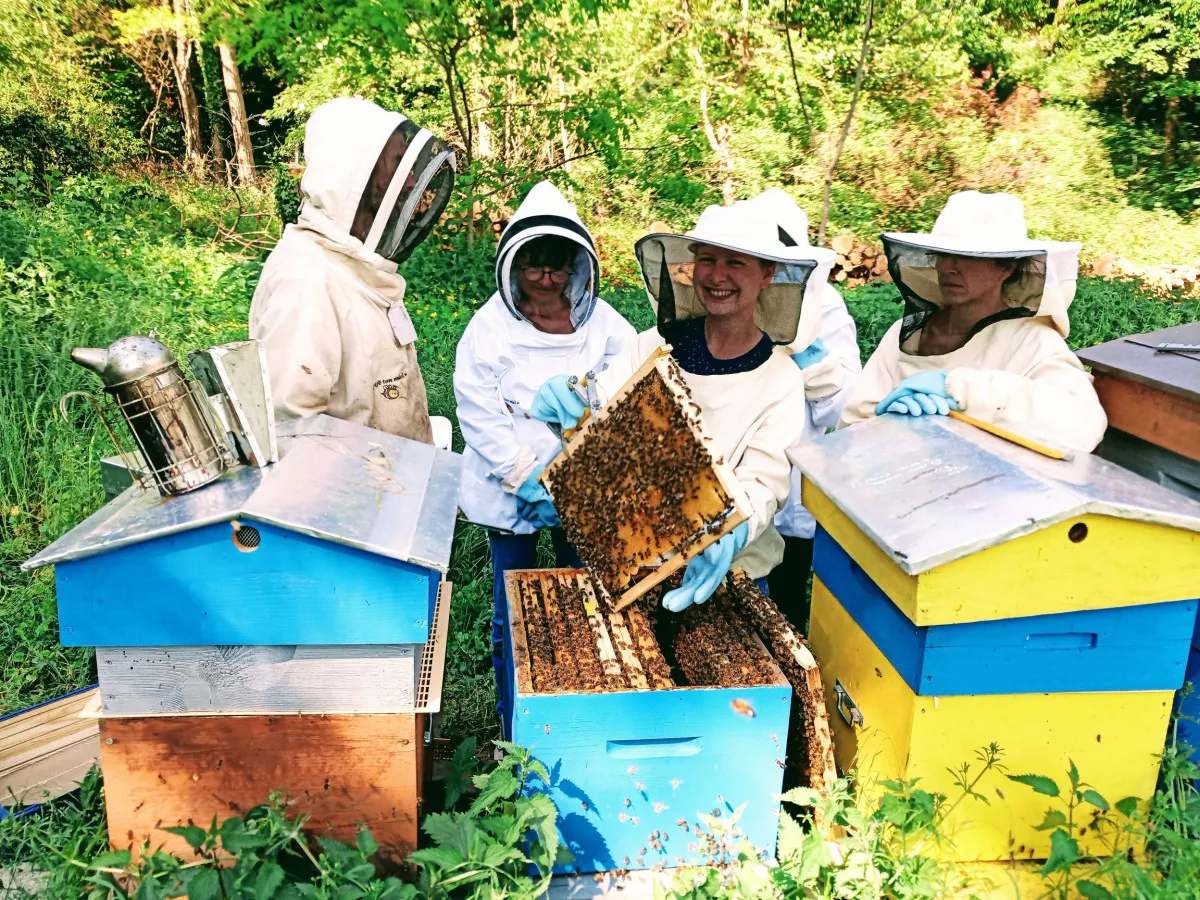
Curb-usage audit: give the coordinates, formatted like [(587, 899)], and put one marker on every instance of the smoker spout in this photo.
[(91, 358)]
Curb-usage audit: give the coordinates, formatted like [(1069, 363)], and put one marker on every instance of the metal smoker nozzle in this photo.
[(91, 358)]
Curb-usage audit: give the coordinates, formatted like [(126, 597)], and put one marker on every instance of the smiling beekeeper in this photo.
[(329, 307), (731, 303), (984, 328), (544, 318), (831, 365)]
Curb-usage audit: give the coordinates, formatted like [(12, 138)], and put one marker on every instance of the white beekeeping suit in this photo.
[(329, 307), (753, 416), (1015, 370), (827, 383), (502, 359)]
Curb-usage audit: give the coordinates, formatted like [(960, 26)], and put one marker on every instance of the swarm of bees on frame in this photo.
[(575, 644), (639, 484)]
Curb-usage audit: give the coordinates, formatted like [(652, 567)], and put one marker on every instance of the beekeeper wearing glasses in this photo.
[(731, 303), (544, 318), (984, 328), (831, 365), (329, 307)]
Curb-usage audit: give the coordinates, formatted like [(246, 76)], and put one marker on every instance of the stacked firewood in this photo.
[(1162, 278), (857, 262)]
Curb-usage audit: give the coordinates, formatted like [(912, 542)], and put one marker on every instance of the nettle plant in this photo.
[(502, 845)]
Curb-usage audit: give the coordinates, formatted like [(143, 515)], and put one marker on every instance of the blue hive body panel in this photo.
[(1134, 648), (628, 769), (197, 588)]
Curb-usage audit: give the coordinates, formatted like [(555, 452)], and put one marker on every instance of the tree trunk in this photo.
[(562, 123), (214, 106), (1170, 132), (718, 136), (181, 65), (239, 124), (841, 142)]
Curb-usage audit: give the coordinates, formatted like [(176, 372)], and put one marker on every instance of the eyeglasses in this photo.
[(537, 273)]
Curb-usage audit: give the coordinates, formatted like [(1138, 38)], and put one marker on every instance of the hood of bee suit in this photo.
[(786, 312), (990, 226), (343, 141), (545, 211)]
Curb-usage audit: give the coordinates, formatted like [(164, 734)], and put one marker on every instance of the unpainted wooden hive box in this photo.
[(281, 629)]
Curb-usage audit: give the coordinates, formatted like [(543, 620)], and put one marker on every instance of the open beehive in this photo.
[(647, 720), (638, 488)]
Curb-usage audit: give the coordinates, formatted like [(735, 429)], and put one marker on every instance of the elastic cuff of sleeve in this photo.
[(957, 381), (525, 463), (824, 379)]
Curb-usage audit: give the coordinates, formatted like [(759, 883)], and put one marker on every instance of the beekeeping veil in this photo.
[(988, 226), (349, 150), (545, 212), (748, 226)]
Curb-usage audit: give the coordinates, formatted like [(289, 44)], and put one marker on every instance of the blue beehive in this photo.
[(633, 770), (272, 630), (345, 540)]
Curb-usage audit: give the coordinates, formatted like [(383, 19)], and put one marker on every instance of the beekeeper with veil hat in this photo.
[(329, 307), (984, 328), (546, 316), (732, 306)]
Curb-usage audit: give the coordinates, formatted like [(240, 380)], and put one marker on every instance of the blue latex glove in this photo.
[(557, 403), (923, 394), (541, 514), (534, 503), (705, 572), (813, 353)]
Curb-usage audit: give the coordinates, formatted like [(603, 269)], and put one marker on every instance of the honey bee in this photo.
[(743, 708)]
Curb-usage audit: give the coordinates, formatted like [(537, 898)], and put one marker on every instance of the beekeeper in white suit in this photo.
[(546, 317), (731, 303), (329, 307), (984, 328), (831, 364)]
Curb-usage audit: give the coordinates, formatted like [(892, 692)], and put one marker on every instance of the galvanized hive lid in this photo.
[(336, 480), (932, 490)]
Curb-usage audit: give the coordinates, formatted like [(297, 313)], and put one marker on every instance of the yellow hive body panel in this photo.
[(1120, 562), (1114, 739)]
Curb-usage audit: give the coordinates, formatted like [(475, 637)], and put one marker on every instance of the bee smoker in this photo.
[(165, 411)]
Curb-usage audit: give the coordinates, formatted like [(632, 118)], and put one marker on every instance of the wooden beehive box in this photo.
[(638, 489), (968, 592), (641, 740)]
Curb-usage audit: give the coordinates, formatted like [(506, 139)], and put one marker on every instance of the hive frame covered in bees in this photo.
[(628, 504)]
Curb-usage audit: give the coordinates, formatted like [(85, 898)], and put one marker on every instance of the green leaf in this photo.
[(453, 830), (1054, 819), (366, 842), (269, 878), (501, 785), (1093, 891), (114, 859), (1064, 853), (193, 834), (204, 885), (1128, 806), (1039, 783), (1073, 773), (802, 796), (444, 858), (361, 874), (1092, 797)]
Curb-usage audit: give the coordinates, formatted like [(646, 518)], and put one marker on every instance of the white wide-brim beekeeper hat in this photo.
[(781, 312), (989, 226)]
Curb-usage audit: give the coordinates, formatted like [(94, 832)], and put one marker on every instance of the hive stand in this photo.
[(281, 629), (637, 487), (967, 591), (632, 770)]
